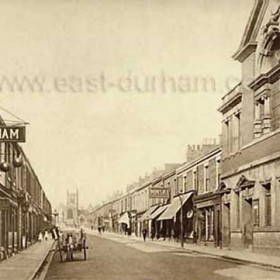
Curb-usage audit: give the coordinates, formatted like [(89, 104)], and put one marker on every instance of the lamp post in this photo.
[(181, 221), (181, 213)]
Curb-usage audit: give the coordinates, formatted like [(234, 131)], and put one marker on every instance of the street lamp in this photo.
[(181, 221), (181, 213)]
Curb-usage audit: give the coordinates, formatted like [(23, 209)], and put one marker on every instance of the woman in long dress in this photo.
[(40, 236)]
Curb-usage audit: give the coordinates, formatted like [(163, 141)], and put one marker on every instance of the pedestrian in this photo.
[(153, 233), (144, 233), (54, 234), (82, 233), (69, 247), (46, 236), (40, 236), (57, 232)]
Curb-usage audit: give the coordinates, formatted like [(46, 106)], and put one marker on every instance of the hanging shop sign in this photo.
[(159, 193), (12, 133)]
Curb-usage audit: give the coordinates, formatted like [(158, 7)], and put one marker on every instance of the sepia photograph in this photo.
[(140, 140)]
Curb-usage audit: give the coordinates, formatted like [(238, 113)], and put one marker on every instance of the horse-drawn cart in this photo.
[(72, 242)]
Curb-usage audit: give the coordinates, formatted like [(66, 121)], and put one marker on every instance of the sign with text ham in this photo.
[(12, 133)]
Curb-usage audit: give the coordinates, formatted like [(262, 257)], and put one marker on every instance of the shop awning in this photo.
[(147, 214), (158, 212), (174, 207), (124, 219)]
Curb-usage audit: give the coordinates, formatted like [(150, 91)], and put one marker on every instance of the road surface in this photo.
[(127, 259)]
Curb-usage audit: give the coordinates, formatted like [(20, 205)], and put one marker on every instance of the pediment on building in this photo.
[(244, 182), (249, 39), (223, 188), (262, 36)]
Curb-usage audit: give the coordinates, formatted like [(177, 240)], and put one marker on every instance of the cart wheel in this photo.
[(85, 253), (60, 251)]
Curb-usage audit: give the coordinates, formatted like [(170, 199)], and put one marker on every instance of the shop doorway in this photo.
[(218, 228), (247, 231), (226, 225)]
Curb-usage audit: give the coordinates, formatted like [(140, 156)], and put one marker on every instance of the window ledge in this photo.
[(238, 230), (261, 138), (231, 155)]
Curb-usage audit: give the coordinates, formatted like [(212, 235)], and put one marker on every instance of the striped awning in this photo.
[(158, 212), (147, 214), (174, 207), (124, 219)]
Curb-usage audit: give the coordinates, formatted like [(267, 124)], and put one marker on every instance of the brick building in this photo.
[(195, 183), (24, 207), (201, 177)]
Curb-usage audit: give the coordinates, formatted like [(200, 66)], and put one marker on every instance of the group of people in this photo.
[(53, 234)]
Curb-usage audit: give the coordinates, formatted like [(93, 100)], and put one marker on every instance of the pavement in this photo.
[(25, 265), (117, 258), (243, 256)]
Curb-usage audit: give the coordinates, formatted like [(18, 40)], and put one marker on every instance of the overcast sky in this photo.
[(121, 89)]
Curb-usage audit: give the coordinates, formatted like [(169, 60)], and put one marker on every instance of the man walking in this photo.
[(144, 233)]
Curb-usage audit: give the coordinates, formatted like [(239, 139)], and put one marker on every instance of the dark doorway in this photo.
[(248, 222)]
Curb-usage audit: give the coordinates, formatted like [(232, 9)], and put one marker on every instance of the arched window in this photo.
[(70, 214), (268, 50)]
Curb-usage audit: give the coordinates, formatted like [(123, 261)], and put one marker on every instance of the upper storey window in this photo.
[(231, 110), (268, 49), (264, 85), (262, 124)]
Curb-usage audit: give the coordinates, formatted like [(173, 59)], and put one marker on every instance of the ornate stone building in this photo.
[(251, 138)]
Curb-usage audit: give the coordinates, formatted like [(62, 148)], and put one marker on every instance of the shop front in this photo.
[(146, 223), (208, 219), (125, 223), (157, 225), (177, 217), (9, 227)]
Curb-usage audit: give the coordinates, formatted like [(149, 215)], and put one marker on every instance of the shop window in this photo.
[(256, 214), (206, 217), (202, 225), (211, 225)]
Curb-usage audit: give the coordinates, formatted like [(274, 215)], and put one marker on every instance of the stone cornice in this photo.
[(243, 53), (231, 103), (270, 77), (248, 44)]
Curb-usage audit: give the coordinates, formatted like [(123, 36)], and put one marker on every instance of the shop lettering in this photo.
[(12, 134), (159, 193)]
